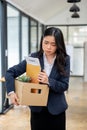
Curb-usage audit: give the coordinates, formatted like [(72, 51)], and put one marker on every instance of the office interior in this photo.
[(22, 23)]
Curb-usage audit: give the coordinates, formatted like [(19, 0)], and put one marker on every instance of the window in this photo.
[(13, 35), (25, 37), (0, 63), (77, 35), (0, 38), (33, 34), (39, 34)]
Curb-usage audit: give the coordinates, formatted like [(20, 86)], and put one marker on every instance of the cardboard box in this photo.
[(31, 93)]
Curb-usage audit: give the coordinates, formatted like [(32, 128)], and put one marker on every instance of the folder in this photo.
[(33, 68)]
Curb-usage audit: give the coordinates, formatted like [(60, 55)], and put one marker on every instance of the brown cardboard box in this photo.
[(31, 93)]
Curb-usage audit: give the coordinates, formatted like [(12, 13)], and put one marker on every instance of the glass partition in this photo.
[(39, 34), (13, 35), (0, 63), (33, 35), (77, 35), (25, 37), (0, 39)]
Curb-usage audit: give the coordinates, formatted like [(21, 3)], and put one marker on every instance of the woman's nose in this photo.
[(48, 46)]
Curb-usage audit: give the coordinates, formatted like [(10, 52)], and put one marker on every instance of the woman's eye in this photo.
[(53, 44), (45, 42)]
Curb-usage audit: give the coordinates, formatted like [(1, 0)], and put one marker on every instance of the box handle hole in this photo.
[(33, 90)]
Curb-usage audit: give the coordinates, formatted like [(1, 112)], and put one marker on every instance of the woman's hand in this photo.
[(43, 78), (13, 98)]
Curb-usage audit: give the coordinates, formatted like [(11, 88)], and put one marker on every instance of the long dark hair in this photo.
[(61, 50)]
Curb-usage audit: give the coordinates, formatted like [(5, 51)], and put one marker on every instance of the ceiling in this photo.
[(52, 12)]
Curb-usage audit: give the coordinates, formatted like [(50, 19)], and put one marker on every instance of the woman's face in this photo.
[(49, 46)]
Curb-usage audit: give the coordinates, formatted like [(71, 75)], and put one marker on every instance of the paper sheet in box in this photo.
[(26, 95), (33, 68)]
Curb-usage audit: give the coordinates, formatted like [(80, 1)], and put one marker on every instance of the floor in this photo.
[(77, 100), (18, 118)]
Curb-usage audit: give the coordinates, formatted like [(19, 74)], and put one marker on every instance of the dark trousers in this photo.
[(46, 121)]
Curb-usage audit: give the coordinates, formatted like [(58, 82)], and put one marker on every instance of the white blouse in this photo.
[(48, 66)]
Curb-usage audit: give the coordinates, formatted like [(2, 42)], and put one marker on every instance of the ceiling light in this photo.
[(75, 15), (74, 8), (72, 1)]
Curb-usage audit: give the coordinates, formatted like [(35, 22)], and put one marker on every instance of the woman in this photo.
[(55, 66)]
